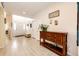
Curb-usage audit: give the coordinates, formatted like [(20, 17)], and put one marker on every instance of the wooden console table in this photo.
[(57, 42)]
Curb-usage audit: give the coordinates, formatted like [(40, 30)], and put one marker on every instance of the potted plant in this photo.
[(44, 27)]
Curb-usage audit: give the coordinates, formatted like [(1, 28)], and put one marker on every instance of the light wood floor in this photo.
[(21, 46)]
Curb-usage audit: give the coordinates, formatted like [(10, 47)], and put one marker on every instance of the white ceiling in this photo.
[(27, 9)]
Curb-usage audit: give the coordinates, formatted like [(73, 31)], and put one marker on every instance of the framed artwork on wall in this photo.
[(30, 25), (27, 24), (5, 20), (2, 4), (54, 14), (56, 22)]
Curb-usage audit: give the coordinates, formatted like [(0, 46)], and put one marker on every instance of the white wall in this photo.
[(19, 25), (2, 28), (35, 29), (67, 22)]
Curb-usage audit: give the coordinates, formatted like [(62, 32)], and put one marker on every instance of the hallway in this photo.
[(27, 20), (21, 46)]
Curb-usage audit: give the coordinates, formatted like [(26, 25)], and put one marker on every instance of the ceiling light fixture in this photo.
[(24, 13)]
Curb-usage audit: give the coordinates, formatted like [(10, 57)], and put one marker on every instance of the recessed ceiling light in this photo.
[(24, 13)]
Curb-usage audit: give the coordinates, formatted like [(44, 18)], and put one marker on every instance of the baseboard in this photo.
[(19, 35), (68, 54)]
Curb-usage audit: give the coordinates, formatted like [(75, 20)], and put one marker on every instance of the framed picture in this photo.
[(2, 4), (5, 20), (27, 24), (56, 22), (30, 25), (54, 14)]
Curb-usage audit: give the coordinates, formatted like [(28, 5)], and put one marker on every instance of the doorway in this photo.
[(78, 23), (21, 25)]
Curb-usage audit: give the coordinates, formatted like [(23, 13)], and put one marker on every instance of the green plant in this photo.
[(44, 27)]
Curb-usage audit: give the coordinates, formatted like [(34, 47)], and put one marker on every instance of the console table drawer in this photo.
[(50, 38)]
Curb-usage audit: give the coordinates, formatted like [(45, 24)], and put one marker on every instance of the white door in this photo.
[(18, 29)]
